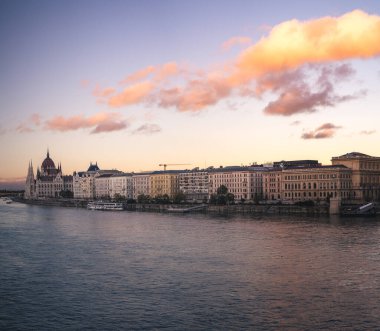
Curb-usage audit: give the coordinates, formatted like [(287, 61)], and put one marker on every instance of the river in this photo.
[(74, 269)]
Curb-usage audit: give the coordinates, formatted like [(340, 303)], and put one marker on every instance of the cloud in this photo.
[(103, 93), (138, 75), (295, 123), (292, 44), (296, 94), (35, 119), (101, 122), (147, 129), (239, 40), (282, 62), (131, 94), (326, 130), (367, 133), (29, 125)]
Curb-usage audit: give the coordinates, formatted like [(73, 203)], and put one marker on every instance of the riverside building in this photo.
[(49, 181), (164, 183), (84, 181), (245, 183), (194, 184), (140, 184), (365, 175)]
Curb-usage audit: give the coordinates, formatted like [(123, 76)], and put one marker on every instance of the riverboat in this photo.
[(366, 210), (102, 205)]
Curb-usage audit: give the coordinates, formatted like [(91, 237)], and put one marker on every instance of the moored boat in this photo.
[(102, 205)]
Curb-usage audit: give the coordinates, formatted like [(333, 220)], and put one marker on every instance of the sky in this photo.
[(134, 84)]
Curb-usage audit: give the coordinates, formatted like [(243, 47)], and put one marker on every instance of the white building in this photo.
[(245, 183), (194, 184), (102, 186), (140, 184), (84, 181), (121, 185)]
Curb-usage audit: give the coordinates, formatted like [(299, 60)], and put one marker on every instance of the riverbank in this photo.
[(212, 209)]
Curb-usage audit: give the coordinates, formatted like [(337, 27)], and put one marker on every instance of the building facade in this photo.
[(245, 183), (140, 184), (121, 186), (164, 183), (49, 181), (194, 184), (365, 175)]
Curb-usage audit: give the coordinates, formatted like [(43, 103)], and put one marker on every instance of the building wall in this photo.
[(316, 184), (84, 185), (102, 187), (141, 185), (164, 183), (194, 185), (365, 175), (243, 183), (121, 185)]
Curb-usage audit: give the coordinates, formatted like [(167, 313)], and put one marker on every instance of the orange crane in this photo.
[(172, 164)]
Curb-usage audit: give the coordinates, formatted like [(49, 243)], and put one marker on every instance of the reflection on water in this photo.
[(77, 269)]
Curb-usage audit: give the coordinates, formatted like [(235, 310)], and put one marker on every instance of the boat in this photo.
[(368, 209), (102, 205), (184, 210)]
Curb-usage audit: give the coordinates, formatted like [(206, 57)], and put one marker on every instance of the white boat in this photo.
[(102, 205)]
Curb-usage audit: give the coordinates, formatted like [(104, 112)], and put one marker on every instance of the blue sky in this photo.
[(57, 54)]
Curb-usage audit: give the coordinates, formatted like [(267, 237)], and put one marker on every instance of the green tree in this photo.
[(179, 197), (142, 198)]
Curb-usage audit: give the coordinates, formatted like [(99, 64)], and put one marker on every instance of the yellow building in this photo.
[(365, 175), (164, 182), (316, 183)]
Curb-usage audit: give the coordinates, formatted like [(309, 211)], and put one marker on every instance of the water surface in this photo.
[(66, 268)]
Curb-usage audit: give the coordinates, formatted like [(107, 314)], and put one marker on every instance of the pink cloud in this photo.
[(131, 94), (282, 62), (239, 40), (147, 129), (326, 130), (103, 92), (101, 122), (138, 75)]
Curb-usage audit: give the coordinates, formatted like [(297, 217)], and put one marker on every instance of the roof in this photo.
[(352, 155), (93, 167)]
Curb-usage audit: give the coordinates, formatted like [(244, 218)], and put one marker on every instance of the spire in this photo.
[(47, 154)]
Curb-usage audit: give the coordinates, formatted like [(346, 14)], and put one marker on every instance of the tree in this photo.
[(222, 196), (179, 197), (142, 198), (222, 190), (66, 194)]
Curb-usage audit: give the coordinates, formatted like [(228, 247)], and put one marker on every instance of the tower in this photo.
[(30, 183)]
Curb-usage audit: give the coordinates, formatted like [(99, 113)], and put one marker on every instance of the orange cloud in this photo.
[(293, 43), (138, 75), (270, 64), (103, 93), (101, 122), (326, 130), (131, 94), (240, 40)]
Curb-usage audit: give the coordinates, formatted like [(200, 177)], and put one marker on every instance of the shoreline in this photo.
[(208, 209)]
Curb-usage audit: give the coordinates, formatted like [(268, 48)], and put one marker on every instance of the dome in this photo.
[(48, 163), (93, 167)]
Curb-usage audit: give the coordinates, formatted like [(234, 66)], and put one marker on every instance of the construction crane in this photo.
[(172, 164)]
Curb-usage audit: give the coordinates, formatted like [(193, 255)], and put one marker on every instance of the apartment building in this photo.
[(194, 184), (164, 182), (121, 185), (245, 183), (140, 184), (365, 175)]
